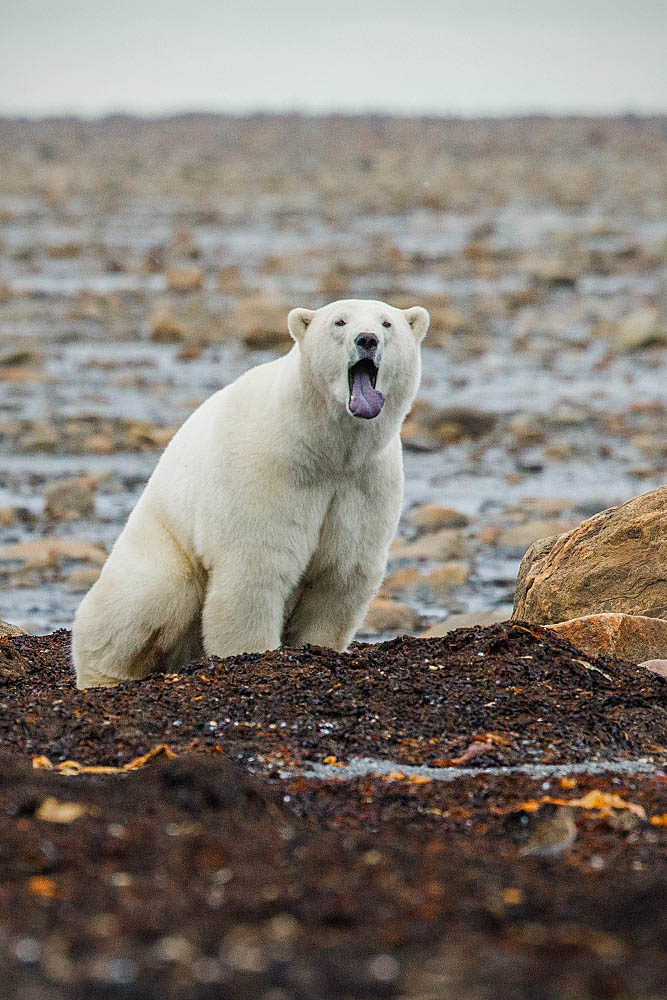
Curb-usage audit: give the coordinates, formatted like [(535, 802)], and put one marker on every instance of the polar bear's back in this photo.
[(209, 452)]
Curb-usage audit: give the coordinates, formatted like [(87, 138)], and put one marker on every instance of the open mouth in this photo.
[(365, 400)]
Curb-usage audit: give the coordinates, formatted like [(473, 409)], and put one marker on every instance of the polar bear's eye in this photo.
[(386, 323), (340, 322)]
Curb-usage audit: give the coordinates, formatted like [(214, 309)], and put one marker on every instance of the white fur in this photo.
[(269, 516)]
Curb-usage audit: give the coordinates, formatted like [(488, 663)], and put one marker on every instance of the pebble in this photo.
[(69, 499), (165, 327), (440, 546), (184, 279), (385, 615), (431, 517)]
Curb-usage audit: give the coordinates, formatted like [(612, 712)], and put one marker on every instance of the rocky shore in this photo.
[(460, 812), (145, 264)]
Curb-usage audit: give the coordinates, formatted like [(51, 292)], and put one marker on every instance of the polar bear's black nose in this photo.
[(367, 342)]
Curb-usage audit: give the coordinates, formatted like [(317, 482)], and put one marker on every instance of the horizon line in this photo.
[(260, 112)]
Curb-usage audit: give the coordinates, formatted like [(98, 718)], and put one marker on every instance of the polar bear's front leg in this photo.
[(348, 567), (332, 607), (241, 615), (142, 614)]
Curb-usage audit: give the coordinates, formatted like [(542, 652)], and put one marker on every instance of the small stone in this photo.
[(44, 437), (552, 836), (415, 437), (20, 357), (166, 328), (656, 666), (642, 328), (261, 322), (174, 948), (383, 968), (141, 435), (440, 546), (99, 444), (409, 581), (385, 615), (49, 551), (556, 272), (229, 280), (69, 499), (520, 536), (451, 424), (184, 279), (489, 534), (407, 578), (26, 374), (154, 261), (527, 428), (431, 517), (447, 577), (463, 621), (81, 580), (190, 352), (559, 451), (7, 516)]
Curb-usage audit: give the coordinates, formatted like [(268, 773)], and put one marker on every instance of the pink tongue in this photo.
[(365, 401)]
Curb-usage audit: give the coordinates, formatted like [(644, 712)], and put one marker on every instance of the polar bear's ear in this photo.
[(298, 321), (418, 319)]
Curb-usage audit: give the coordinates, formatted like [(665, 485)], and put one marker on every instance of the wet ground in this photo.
[(143, 265), (218, 833), (476, 816)]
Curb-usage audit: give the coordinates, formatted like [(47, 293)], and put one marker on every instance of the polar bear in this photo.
[(268, 518)]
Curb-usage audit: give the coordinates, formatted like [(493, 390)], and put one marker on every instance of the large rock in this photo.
[(629, 637), (614, 561)]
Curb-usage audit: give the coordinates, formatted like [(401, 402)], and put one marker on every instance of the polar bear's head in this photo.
[(361, 353)]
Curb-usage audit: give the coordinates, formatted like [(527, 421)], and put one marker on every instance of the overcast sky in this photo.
[(92, 57)]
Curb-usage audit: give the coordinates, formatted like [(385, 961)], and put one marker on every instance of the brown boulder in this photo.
[(629, 637), (612, 562)]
